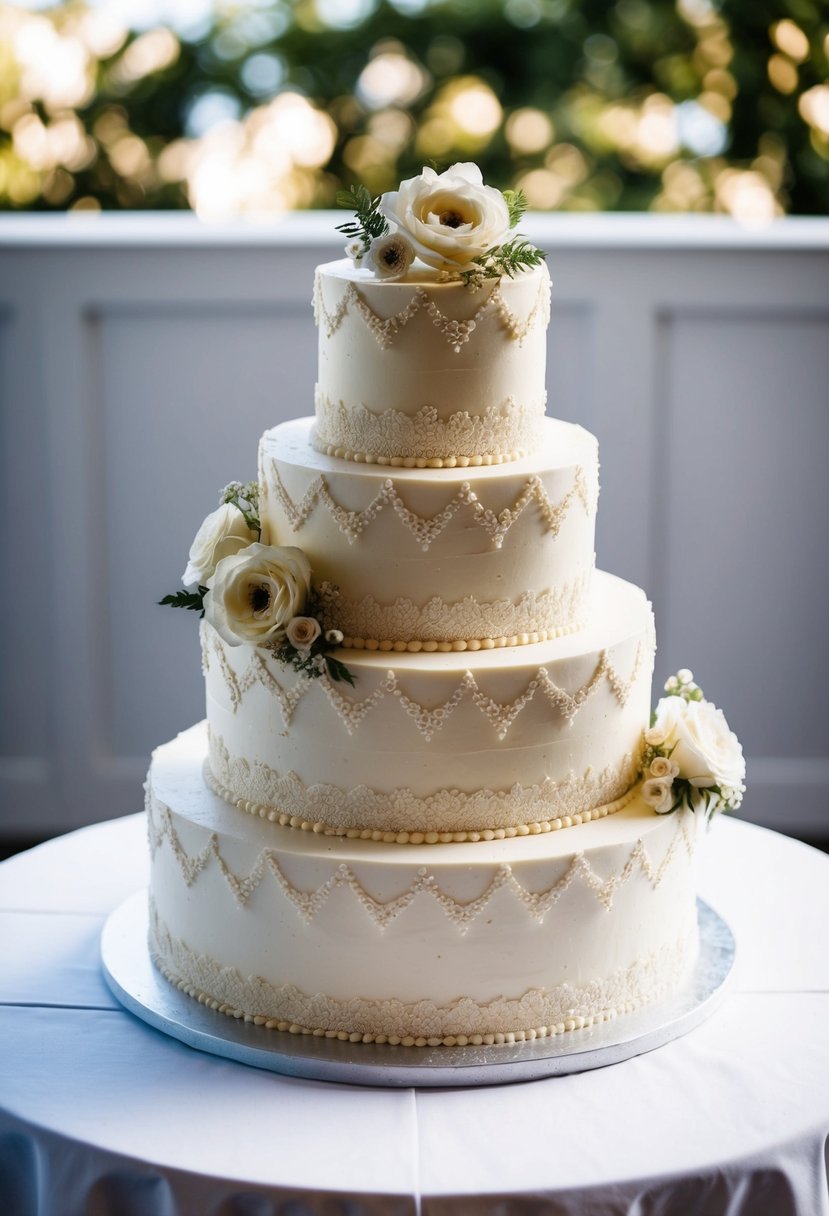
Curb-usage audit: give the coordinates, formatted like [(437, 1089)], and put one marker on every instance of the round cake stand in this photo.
[(142, 990)]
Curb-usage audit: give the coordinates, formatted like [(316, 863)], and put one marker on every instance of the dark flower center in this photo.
[(392, 256), (451, 219), (260, 597)]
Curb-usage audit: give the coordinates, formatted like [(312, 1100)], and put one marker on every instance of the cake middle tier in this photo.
[(453, 557), (428, 745)]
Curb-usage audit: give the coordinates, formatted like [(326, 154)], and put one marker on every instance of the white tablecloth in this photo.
[(100, 1114)]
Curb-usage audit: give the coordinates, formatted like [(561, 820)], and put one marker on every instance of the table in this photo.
[(101, 1114)]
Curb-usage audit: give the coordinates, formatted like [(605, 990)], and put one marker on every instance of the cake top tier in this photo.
[(428, 369), (432, 335)]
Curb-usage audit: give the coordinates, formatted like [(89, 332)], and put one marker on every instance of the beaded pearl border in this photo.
[(419, 462), (538, 827), (415, 646), (461, 1040)]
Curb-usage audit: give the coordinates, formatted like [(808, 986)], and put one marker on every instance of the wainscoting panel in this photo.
[(141, 358), (183, 394), (741, 535)]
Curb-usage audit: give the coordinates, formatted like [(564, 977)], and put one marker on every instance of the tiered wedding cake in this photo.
[(413, 813)]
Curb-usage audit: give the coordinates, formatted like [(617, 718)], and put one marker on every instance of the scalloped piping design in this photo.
[(402, 817), (424, 440), (428, 721), (426, 529), (456, 332), (538, 1013), (466, 624), (424, 885)]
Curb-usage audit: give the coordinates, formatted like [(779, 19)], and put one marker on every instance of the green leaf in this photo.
[(516, 201), (338, 671), (194, 600), (368, 223), (507, 259)]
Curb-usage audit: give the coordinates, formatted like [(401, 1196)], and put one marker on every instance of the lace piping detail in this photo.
[(426, 529), (502, 433), (430, 720), (383, 912), (456, 332), (402, 817), (467, 624), (538, 1013), (256, 672)]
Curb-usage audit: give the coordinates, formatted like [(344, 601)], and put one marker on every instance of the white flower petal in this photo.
[(232, 605), (450, 218), (223, 533)]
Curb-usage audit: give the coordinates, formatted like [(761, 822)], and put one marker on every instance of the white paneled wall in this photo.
[(141, 357)]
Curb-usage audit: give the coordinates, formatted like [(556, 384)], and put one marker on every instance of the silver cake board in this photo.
[(140, 988)]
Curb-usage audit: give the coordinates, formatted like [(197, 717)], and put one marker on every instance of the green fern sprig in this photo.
[(507, 259), (312, 663), (368, 223), (517, 204), (194, 600)]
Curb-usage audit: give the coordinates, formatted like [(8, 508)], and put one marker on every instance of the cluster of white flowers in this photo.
[(446, 219), (692, 756), (254, 593)]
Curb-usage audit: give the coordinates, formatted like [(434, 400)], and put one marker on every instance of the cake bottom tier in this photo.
[(479, 942)]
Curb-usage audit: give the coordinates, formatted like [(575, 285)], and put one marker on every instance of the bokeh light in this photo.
[(256, 106)]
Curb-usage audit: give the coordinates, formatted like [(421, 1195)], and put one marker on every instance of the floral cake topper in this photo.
[(451, 221), (692, 757), (256, 594)]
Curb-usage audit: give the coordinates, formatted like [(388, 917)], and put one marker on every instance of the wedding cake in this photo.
[(427, 805)]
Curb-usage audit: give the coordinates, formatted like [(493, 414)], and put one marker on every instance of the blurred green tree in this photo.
[(641, 104)]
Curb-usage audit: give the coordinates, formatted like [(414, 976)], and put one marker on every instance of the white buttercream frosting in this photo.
[(428, 369), (425, 440), (530, 716), (490, 535), (255, 916), (501, 690), (402, 817)]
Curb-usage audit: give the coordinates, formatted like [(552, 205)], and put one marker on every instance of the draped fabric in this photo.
[(102, 1115)]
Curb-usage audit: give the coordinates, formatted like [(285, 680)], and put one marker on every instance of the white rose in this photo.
[(255, 594), (390, 256), (302, 632), (658, 793), (701, 742), (661, 766), (222, 534), (450, 218), (334, 636)]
